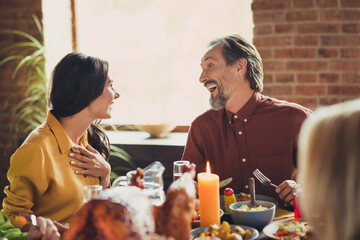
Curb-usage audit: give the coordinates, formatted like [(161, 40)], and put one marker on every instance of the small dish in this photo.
[(254, 232)]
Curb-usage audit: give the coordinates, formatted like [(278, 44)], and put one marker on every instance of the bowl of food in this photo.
[(245, 197), (224, 231), (257, 216), (156, 130)]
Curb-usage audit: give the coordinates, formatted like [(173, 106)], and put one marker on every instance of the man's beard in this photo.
[(219, 101)]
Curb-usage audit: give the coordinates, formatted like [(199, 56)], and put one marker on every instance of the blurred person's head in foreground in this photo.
[(329, 161)]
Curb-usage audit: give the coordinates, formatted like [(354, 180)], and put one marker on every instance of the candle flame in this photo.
[(208, 170)]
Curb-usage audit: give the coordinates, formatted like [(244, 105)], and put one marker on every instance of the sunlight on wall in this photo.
[(154, 49), (57, 31)]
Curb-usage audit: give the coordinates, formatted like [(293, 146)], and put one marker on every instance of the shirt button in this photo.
[(240, 132), (246, 186), (245, 120), (235, 116), (243, 160)]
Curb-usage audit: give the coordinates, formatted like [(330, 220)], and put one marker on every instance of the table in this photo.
[(145, 150)]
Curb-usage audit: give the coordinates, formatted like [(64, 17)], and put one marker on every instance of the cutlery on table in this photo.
[(225, 182), (252, 191), (262, 179)]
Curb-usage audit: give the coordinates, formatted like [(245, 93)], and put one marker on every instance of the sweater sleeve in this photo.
[(28, 181)]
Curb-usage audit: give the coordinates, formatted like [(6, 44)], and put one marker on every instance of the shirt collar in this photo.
[(248, 109), (62, 138)]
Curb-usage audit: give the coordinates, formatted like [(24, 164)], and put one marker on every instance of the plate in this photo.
[(271, 228), (254, 232), (257, 196)]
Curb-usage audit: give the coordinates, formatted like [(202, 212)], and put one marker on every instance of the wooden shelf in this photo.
[(142, 138)]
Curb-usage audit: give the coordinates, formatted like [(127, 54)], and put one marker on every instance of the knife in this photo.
[(225, 182), (252, 191)]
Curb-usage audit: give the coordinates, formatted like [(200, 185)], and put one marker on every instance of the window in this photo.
[(154, 49)]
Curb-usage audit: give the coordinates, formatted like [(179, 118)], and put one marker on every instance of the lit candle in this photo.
[(209, 197)]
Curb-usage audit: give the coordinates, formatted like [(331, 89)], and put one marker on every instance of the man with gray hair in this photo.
[(245, 130)]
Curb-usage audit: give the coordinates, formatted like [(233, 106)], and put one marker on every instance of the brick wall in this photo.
[(14, 14), (310, 49)]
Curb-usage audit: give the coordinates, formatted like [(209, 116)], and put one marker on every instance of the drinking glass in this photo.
[(296, 199), (177, 168), (91, 191)]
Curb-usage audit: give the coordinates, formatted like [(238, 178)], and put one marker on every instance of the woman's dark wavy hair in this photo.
[(76, 81), (235, 47)]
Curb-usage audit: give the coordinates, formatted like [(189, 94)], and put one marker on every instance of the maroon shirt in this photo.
[(263, 134)]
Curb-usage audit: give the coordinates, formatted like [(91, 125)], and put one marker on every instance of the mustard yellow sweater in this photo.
[(42, 181)]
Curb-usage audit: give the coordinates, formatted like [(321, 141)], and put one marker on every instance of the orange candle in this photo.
[(209, 197)]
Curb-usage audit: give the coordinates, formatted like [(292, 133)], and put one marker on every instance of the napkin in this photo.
[(282, 213)]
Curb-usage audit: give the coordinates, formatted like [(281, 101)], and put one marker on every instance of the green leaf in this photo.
[(27, 60), (116, 150), (113, 175), (121, 168), (121, 154), (17, 47), (10, 58), (25, 35), (38, 25)]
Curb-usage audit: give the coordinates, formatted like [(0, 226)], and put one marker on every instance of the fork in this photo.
[(262, 179)]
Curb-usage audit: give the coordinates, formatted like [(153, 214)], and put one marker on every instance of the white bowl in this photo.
[(156, 130), (258, 219), (258, 197)]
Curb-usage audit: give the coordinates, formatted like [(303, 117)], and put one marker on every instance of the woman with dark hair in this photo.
[(48, 172)]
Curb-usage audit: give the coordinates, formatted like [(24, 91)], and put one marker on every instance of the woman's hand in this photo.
[(46, 229), (92, 163)]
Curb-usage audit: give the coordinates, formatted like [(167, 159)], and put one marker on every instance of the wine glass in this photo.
[(177, 168)]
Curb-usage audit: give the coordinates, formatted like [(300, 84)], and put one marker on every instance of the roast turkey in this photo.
[(127, 213)]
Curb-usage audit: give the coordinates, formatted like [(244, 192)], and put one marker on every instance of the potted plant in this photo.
[(30, 112)]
